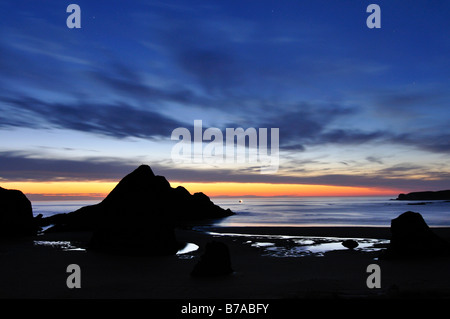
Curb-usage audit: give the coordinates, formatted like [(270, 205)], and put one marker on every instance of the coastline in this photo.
[(33, 271)]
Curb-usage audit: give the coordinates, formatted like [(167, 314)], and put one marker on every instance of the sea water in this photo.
[(300, 211), (290, 211)]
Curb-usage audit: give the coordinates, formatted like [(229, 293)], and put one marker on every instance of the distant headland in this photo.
[(426, 195)]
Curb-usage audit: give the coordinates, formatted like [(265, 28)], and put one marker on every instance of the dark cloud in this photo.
[(17, 166), (315, 124), (438, 142), (409, 102), (374, 159), (404, 170), (118, 120), (350, 136), (129, 83), (22, 167), (213, 69), (308, 125)]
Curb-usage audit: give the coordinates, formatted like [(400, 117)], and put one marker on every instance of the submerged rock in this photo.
[(215, 261), (16, 214), (412, 237)]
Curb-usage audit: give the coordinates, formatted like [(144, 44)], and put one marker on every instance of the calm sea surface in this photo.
[(300, 211)]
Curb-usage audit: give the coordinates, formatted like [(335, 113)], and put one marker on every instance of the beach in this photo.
[(37, 269)]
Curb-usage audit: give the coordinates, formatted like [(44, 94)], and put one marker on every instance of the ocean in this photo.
[(300, 211)]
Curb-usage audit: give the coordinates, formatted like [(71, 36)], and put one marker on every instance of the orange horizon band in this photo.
[(100, 188)]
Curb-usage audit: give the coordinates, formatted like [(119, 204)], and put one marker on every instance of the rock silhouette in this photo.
[(139, 215), (129, 223), (350, 243), (143, 191), (16, 214), (412, 237), (215, 261), (439, 195)]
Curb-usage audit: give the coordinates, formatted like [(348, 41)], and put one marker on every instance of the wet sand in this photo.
[(34, 271)]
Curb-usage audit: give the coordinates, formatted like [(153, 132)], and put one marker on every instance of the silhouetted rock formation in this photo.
[(129, 222), (411, 237), (16, 214), (350, 243), (215, 261), (146, 192), (139, 215), (439, 195)]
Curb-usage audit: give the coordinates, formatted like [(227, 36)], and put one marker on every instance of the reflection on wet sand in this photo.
[(299, 246)]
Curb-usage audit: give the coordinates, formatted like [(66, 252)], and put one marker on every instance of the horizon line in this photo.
[(53, 197)]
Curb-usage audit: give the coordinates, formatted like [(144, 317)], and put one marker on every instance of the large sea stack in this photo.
[(130, 222), (139, 215), (413, 238), (16, 214)]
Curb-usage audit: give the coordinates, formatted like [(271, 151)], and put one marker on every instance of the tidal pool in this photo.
[(299, 246)]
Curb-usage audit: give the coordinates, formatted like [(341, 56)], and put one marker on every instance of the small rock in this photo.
[(215, 261), (350, 243)]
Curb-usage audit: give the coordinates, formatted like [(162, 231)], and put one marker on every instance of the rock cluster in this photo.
[(139, 215)]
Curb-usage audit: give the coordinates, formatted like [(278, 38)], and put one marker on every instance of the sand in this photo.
[(37, 272)]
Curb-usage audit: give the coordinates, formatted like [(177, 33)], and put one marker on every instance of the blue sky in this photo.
[(355, 106)]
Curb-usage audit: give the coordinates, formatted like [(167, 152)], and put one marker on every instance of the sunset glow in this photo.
[(261, 189), (99, 190)]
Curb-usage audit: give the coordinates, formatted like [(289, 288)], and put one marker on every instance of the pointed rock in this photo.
[(140, 214)]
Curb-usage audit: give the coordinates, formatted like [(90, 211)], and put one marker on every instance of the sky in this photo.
[(360, 111)]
